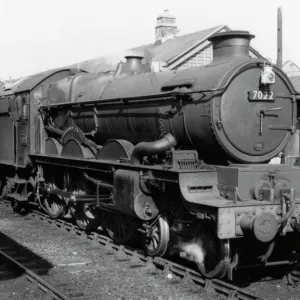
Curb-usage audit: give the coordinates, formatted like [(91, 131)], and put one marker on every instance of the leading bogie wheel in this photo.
[(157, 239), (215, 256)]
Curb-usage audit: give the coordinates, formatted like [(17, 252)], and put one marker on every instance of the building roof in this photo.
[(165, 52), (296, 82), (172, 48), (285, 63), (291, 69), (170, 52)]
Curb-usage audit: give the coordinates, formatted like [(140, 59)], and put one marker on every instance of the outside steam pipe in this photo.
[(291, 198), (152, 148), (98, 182)]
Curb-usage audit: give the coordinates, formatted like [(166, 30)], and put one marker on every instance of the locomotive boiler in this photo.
[(210, 109), (177, 157)]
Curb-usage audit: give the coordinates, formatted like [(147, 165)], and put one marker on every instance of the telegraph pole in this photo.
[(287, 149), (279, 38)]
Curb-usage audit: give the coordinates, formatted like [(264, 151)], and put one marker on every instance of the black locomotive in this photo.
[(179, 157)]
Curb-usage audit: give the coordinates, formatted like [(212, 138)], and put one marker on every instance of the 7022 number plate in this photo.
[(261, 96)]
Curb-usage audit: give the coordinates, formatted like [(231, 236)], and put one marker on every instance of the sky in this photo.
[(37, 35)]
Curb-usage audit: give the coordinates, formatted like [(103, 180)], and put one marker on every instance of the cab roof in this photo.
[(36, 79)]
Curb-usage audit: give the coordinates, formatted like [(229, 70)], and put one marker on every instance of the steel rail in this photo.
[(51, 292)]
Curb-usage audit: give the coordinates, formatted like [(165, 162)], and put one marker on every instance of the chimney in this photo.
[(231, 44), (133, 65), (165, 28)]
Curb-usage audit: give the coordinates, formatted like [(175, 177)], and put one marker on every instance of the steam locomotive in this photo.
[(177, 157)]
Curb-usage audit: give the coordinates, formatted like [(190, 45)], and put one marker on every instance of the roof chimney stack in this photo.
[(165, 28)]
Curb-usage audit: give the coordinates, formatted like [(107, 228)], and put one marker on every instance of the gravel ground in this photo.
[(19, 289), (275, 290), (82, 269)]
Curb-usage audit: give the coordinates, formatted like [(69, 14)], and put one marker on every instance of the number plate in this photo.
[(261, 96)]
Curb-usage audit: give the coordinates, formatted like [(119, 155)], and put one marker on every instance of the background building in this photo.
[(293, 71), (168, 51), (171, 51)]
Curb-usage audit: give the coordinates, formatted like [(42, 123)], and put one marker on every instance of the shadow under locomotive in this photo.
[(24, 256), (179, 157)]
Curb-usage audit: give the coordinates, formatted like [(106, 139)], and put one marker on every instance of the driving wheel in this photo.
[(86, 217), (55, 206)]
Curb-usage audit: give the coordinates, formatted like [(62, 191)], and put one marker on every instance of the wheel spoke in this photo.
[(54, 206), (84, 216), (155, 238), (158, 238)]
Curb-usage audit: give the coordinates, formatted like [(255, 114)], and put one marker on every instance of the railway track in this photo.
[(137, 258), (11, 258)]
